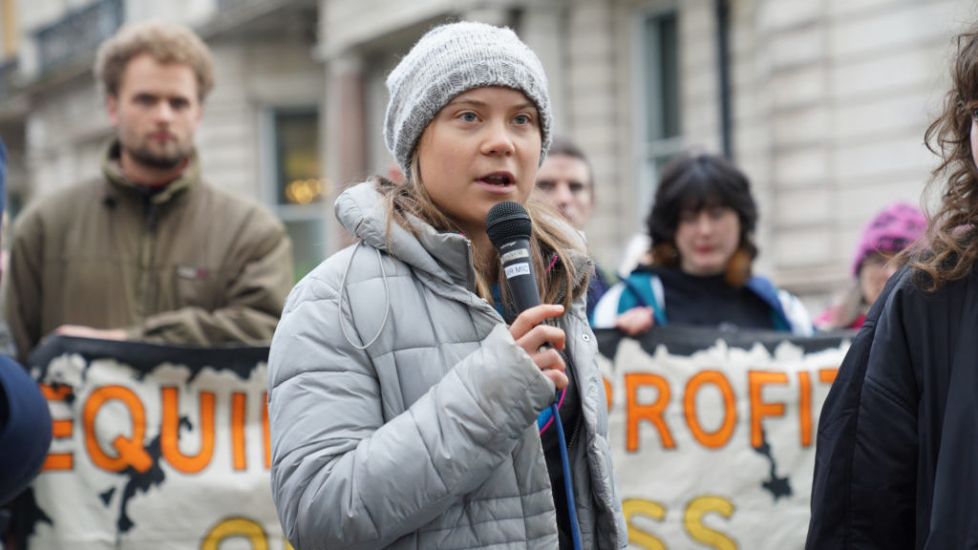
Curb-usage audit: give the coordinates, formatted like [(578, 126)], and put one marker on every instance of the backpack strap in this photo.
[(643, 290)]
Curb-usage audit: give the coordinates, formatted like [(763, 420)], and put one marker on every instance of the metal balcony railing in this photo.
[(77, 34)]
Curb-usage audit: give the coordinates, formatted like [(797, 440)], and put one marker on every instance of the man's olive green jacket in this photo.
[(188, 265)]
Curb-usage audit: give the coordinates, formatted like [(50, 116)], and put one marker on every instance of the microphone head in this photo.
[(507, 221)]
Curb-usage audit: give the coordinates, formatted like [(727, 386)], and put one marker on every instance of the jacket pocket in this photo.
[(193, 286)]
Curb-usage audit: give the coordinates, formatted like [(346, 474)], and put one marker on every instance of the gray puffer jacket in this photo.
[(421, 433)]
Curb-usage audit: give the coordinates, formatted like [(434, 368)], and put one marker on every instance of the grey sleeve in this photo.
[(341, 476)]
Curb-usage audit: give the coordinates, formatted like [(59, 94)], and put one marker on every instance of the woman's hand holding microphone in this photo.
[(541, 341)]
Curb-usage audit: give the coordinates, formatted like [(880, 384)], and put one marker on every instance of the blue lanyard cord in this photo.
[(568, 482)]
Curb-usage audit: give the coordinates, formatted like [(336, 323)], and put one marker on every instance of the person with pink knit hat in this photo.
[(892, 230)]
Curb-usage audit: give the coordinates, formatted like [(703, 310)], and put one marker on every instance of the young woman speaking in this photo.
[(404, 411)]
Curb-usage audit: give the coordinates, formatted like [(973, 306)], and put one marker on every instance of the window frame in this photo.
[(291, 213), (650, 154)]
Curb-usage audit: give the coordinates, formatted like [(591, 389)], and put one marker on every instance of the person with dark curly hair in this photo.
[(897, 450), (700, 266)]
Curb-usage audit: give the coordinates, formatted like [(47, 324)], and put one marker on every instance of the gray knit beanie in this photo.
[(452, 59)]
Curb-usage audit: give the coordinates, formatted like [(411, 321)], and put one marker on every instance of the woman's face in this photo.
[(706, 239), (873, 274), (482, 148)]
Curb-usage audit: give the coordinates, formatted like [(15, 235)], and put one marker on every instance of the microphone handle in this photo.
[(518, 268)]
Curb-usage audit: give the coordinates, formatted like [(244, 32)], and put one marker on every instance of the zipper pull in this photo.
[(152, 216)]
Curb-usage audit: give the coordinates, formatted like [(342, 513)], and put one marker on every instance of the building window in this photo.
[(78, 33), (298, 184), (660, 132)]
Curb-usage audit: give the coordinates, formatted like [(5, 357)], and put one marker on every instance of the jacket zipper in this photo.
[(148, 253), (577, 426), (580, 398), (571, 500)]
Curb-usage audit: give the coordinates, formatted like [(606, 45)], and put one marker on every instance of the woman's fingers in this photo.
[(548, 358), (532, 317), (557, 377), (552, 365), (542, 342), (541, 335)]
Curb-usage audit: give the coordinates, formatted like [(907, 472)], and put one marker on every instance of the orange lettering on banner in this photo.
[(60, 429), (58, 461), (698, 531), (170, 432), (607, 391), (827, 376), (130, 451), (719, 438), (632, 507), (805, 407), (52, 393), (635, 412), (238, 457), (266, 434), (756, 380)]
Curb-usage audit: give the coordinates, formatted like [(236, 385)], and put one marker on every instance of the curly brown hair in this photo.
[(951, 248), (165, 42)]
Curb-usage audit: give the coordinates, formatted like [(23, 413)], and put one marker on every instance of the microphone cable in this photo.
[(568, 482)]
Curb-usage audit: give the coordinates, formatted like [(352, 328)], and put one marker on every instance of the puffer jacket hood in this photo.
[(445, 256), (413, 423)]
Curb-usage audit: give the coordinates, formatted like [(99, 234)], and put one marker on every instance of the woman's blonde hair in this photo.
[(557, 277)]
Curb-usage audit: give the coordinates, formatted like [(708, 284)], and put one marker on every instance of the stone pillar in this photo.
[(542, 29), (344, 129)]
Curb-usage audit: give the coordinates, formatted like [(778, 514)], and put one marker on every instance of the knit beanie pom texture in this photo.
[(452, 59), (892, 230)]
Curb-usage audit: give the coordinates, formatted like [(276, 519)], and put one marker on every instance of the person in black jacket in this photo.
[(897, 451), (25, 423)]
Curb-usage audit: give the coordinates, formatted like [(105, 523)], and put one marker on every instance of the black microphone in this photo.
[(509, 228)]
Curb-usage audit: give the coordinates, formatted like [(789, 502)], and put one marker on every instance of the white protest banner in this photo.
[(713, 434), (154, 447)]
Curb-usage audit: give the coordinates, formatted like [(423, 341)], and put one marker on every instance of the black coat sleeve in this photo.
[(864, 488)]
